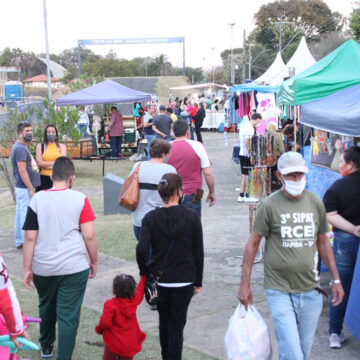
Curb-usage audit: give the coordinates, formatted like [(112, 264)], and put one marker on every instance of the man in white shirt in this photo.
[(246, 132)]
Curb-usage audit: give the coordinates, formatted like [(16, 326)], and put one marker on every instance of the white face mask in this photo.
[(295, 188)]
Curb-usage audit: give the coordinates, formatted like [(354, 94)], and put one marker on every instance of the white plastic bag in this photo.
[(247, 336)]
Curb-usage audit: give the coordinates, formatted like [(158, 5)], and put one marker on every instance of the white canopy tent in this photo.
[(272, 71), (300, 61)]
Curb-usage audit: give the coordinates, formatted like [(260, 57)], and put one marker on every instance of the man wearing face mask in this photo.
[(342, 201), (26, 178), (293, 222), (60, 254)]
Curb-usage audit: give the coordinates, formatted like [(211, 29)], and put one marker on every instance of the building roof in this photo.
[(40, 78), (56, 69)]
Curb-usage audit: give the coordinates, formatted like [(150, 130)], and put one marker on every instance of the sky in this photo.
[(204, 24)]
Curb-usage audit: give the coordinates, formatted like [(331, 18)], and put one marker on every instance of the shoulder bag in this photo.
[(151, 293), (129, 194)]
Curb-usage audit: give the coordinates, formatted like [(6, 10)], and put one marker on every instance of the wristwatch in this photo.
[(336, 281)]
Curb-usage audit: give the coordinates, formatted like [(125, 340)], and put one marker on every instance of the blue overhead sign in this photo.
[(132, 41)]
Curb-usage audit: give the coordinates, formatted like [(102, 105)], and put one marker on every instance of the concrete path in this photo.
[(226, 229)]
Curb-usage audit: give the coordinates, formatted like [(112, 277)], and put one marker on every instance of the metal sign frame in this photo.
[(135, 41)]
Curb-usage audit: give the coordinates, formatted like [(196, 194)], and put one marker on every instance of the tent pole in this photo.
[(301, 134), (294, 125)]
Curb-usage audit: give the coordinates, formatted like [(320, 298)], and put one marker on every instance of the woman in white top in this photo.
[(150, 174)]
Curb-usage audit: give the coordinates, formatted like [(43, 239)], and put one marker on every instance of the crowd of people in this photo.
[(168, 228), (59, 265)]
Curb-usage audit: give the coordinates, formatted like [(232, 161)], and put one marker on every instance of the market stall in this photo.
[(301, 60), (245, 99), (105, 92)]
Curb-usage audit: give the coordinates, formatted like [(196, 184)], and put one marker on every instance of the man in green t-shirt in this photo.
[(293, 222)]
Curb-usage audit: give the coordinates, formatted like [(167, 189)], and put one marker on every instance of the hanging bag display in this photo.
[(129, 194)]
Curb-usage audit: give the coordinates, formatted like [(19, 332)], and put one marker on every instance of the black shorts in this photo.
[(245, 164)]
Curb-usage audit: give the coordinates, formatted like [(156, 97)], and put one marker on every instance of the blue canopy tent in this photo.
[(253, 87), (338, 113), (105, 92)]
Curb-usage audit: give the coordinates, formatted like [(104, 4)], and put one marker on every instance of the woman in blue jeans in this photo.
[(342, 201)]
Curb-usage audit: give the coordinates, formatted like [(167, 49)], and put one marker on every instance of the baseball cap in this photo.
[(290, 162), (162, 107)]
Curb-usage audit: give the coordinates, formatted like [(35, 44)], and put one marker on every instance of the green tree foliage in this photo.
[(355, 22), (310, 18), (64, 118), (29, 64)]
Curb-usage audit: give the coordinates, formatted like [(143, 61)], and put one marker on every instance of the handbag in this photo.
[(129, 194), (151, 293)]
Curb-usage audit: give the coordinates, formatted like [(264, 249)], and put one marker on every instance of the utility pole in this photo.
[(280, 23), (145, 63), (213, 74), (250, 58), (244, 59), (204, 67), (232, 73), (47, 51)]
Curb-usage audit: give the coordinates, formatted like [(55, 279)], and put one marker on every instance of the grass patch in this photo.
[(114, 232), (7, 211), (90, 173), (151, 349)]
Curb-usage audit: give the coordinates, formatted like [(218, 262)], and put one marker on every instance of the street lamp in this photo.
[(204, 67), (232, 73), (47, 51)]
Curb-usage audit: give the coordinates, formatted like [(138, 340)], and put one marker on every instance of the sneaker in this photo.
[(19, 247), (251, 199), (336, 340), (240, 199), (153, 307), (47, 351)]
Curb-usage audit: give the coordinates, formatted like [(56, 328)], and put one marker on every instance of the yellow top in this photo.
[(51, 153)]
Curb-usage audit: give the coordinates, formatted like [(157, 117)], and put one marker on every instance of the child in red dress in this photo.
[(118, 323)]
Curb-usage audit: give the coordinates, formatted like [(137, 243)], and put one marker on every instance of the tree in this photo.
[(310, 18), (196, 73), (64, 119), (355, 22), (327, 43), (29, 64)]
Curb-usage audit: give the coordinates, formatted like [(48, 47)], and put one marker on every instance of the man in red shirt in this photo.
[(116, 132), (191, 161)]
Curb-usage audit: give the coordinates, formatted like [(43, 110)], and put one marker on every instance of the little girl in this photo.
[(10, 308), (118, 324)]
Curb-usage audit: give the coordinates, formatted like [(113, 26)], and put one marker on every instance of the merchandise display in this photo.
[(326, 148), (259, 182), (261, 150)]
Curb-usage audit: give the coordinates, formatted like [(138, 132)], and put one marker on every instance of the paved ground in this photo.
[(225, 234)]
